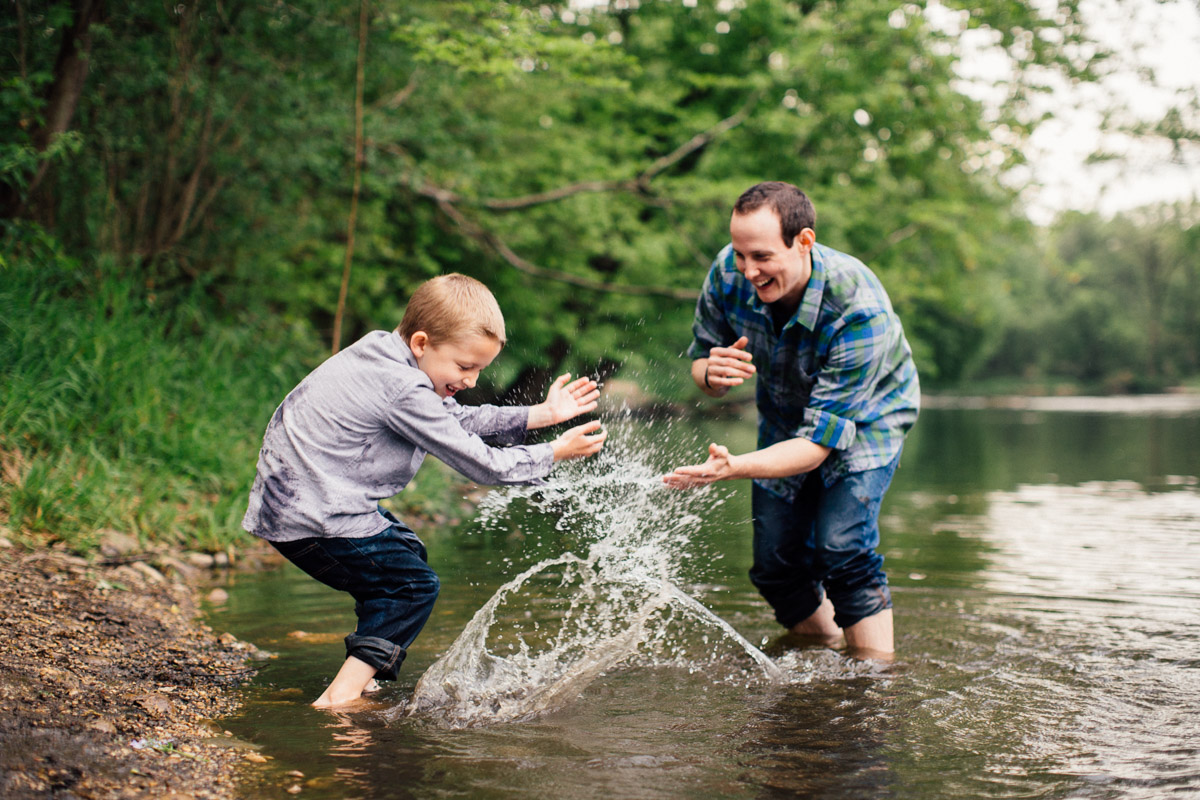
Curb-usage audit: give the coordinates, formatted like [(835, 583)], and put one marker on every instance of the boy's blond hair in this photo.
[(450, 308)]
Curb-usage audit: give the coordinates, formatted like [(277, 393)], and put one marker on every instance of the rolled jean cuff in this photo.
[(862, 603), (796, 607), (386, 657)]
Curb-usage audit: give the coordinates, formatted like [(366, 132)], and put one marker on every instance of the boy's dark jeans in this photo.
[(822, 542), (392, 585)]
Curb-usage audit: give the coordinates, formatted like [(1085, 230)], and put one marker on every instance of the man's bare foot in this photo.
[(800, 641), (820, 624), (872, 637)]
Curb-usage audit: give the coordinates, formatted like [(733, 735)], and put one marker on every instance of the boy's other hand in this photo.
[(565, 401), (720, 466), (580, 441)]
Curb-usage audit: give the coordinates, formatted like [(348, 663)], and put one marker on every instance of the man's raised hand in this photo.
[(729, 366)]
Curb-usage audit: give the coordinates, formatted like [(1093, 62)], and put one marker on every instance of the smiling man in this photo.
[(836, 391)]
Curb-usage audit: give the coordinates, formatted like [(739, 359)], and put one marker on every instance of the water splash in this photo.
[(552, 630)]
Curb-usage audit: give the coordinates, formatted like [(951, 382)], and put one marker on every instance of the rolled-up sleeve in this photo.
[(845, 384)]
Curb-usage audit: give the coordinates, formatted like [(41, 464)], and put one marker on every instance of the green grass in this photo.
[(121, 408)]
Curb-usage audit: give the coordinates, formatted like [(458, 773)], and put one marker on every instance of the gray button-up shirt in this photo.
[(356, 430)]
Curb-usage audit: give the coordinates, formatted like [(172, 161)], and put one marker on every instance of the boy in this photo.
[(356, 430)]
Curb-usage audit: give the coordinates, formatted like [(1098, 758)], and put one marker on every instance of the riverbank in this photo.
[(109, 681)]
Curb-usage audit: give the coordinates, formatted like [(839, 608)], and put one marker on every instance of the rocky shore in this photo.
[(109, 682)]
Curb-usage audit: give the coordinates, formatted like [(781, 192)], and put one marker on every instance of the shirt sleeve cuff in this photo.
[(827, 429), (543, 456)]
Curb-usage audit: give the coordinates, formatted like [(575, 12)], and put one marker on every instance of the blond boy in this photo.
[(356, 430)]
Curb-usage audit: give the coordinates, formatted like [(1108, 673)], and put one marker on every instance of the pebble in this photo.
[(201, 560), (153, 575), (115, 543)]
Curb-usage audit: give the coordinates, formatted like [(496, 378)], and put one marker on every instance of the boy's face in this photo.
[(454, 365)]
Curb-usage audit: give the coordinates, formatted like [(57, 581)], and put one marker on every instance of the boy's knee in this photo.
[(431, 586)]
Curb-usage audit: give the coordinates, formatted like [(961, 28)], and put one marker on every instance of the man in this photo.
[(837, 391)]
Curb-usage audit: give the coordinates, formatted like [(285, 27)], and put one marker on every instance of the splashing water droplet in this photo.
[(548, 633)]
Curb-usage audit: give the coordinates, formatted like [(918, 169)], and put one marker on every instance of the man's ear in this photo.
[(807, 237), (418, 343)]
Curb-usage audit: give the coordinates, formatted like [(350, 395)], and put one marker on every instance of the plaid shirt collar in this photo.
[(809, 309)]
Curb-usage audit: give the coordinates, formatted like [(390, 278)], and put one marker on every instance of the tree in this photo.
[(581, 162)]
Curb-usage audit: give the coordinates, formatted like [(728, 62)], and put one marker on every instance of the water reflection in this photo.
[(1046, 572)]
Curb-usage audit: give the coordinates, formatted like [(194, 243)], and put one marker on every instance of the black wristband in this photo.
[(706, 383)]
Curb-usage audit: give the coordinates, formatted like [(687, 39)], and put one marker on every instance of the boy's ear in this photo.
[(418, 343)]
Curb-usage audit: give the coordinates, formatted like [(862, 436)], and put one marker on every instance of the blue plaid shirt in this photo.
[(840, 372)]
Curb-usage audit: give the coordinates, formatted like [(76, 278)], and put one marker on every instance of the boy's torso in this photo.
[(356, 431)]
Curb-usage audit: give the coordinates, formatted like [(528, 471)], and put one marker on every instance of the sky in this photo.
[(1163, 37)]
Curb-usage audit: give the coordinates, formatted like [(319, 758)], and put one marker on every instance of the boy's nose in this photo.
[(469, 380)]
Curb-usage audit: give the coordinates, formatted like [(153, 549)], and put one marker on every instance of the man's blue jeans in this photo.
[(822, 542), (392, 585)]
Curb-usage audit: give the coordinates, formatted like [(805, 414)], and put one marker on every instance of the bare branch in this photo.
[(396, 100), (698, 141), (894, 238), (639, 184), (504, 251), (447, 202)]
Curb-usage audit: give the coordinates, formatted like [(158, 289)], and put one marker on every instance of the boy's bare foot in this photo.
[(372, 687), (348, 685)]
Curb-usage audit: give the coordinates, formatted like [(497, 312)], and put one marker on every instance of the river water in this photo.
[(599, 637)]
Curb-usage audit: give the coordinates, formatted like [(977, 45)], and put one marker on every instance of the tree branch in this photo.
[(447, 202), (639, 184), (504, 251)]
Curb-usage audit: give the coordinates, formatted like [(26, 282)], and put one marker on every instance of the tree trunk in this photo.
[(70, 73)]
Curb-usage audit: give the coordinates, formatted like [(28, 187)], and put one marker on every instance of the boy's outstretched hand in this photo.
[(565, 401), (580, 441), (719, 467)]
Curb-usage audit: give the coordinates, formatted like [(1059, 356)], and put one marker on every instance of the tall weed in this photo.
[(123, 408)]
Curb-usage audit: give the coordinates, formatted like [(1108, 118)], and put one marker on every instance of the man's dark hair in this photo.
[(795, 210)]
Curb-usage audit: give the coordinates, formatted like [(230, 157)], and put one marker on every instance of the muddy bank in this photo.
[(108, 681)]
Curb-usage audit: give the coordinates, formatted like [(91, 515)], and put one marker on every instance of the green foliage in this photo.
[(116, 413)]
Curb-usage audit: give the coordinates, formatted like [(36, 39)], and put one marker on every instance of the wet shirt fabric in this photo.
[(356, 430), (838, 372)]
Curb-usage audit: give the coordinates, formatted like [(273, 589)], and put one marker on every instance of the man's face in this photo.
[(779, 273), (455, 365)]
